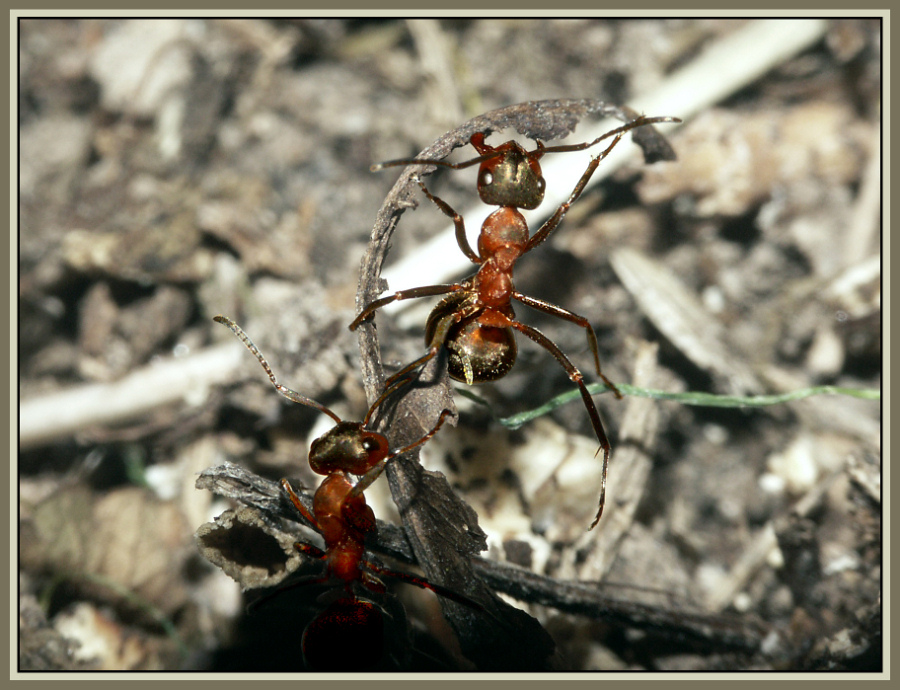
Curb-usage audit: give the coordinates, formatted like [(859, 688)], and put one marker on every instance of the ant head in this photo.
[(510, 177), (347, 447)]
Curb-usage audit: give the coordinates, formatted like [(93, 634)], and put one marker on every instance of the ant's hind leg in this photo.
[(578, 379), (554, 310)]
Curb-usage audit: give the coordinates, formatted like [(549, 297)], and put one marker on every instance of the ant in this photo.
[(476, 321), (345, 521)]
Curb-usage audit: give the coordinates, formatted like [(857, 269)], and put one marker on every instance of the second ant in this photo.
[(345, 521)]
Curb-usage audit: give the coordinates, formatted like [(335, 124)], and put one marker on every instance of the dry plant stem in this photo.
[(588, 599), (442, 529), (266, 499), (440, 259), (676, 311), (61, 414), (721, 70)]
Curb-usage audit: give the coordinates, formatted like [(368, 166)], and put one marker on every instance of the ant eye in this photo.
[(486, 177), (370, 444), (541, 184)]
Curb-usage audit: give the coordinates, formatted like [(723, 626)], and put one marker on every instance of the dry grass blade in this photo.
[(680, 316)]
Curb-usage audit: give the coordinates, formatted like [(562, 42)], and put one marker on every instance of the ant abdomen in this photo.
[(479, 353)]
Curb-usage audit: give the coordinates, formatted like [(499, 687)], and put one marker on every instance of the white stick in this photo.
[(60, 414), (723, 69)]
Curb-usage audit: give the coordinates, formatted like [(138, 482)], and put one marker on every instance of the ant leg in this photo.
[(366, 480), (557, 217), (441, 332), (378, 167), (388, 390), (425, 291), (302, 509), (422, 583), (254, 605), (576, 377), (405, 374), (639, 121), (288, 393), (310, 550), (458, 222), (553, 310)]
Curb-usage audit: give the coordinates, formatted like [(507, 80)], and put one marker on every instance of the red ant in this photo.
[(344, 519), (476, 319)]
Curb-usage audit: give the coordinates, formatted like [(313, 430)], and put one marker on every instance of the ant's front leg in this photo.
[(366, 480), (557, 217), (425, 291), (295, 499), (458, 222)]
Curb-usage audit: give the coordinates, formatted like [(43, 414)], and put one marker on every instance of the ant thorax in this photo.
[(504, 228)]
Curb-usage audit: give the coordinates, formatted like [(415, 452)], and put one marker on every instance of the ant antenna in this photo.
[(536, 154), (284, 390)]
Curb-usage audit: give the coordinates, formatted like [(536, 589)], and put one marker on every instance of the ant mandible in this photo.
[(476, 319), (345, 521)]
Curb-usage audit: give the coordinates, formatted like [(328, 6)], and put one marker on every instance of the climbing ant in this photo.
[(476, 319), (344, 519)]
